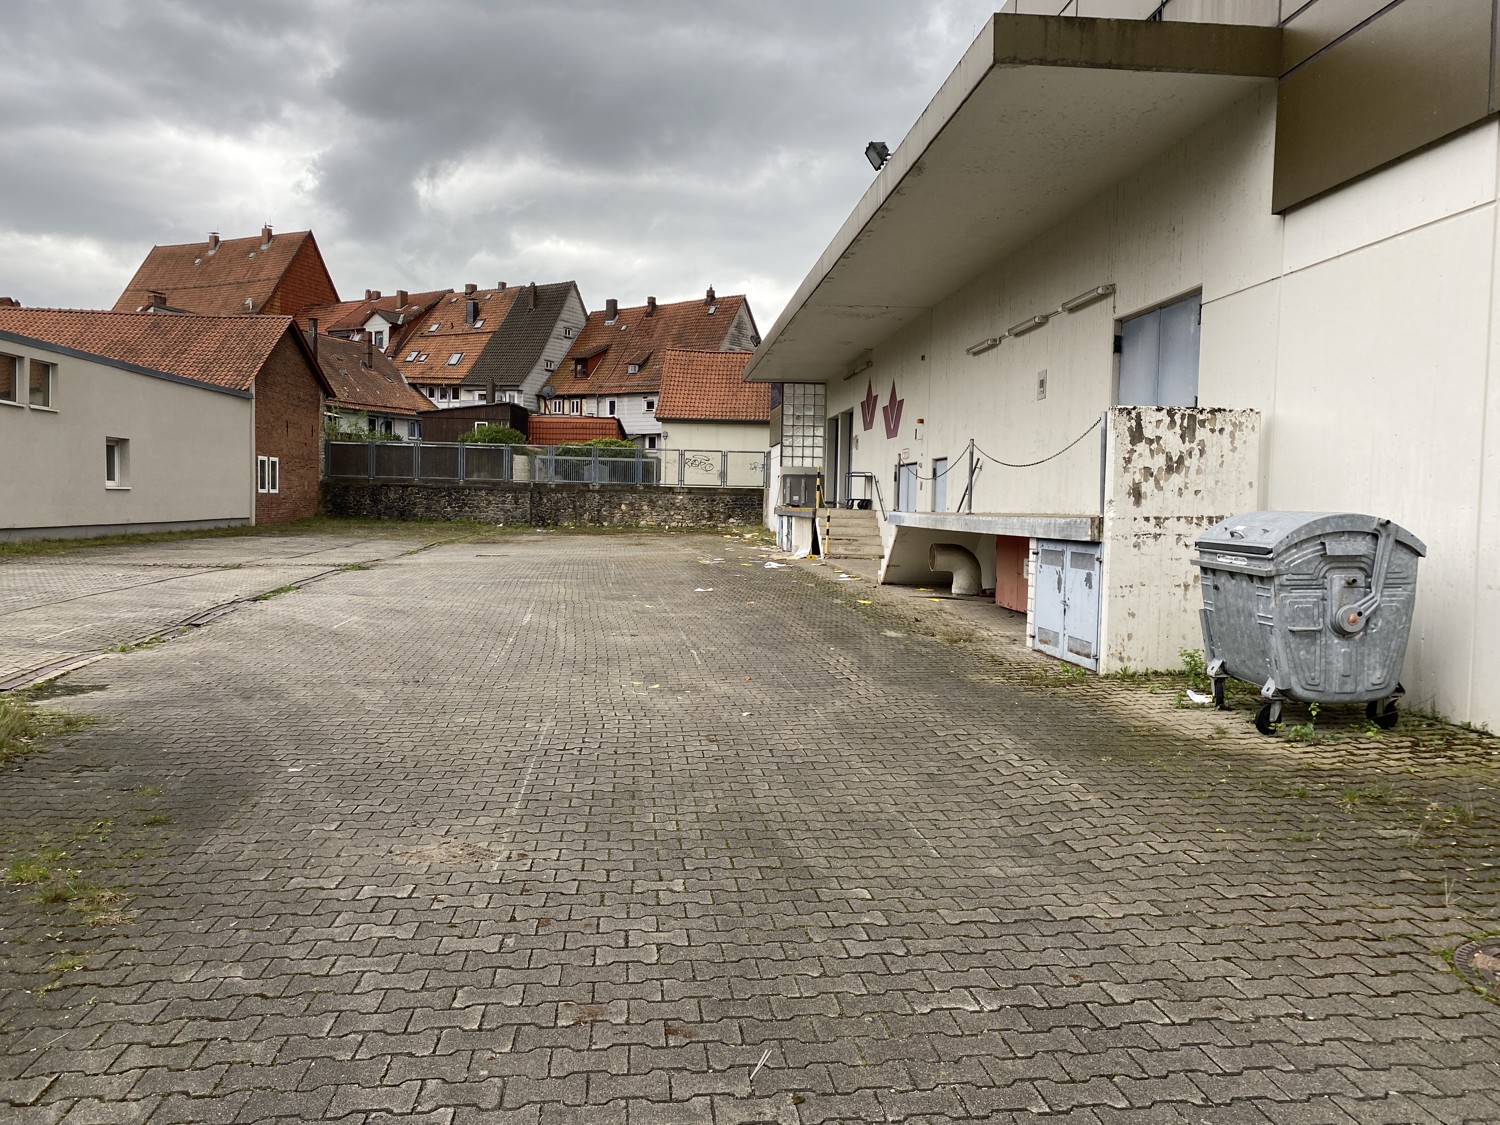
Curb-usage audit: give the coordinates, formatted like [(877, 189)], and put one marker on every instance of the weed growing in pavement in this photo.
[(23, 725), (276, 593)]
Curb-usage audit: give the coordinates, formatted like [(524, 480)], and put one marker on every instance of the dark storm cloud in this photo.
[(644, 147)]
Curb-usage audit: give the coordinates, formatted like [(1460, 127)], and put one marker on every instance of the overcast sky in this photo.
[(649, 147)]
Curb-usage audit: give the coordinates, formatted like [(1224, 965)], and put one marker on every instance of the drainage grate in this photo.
[(1478, 962)]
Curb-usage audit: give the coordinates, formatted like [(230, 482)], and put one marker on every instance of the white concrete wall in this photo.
[(1171, 474), (190, 457), (1359, 326), (742, 436)]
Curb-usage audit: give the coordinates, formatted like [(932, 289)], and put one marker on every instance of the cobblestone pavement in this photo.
[(572, 828), (56, 609)]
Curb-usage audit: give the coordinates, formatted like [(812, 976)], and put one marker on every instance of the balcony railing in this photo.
[(460, 462)]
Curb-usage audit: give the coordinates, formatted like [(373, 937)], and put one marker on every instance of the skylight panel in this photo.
[(479, 323), (436, 324), (454, 358), (410, 356)]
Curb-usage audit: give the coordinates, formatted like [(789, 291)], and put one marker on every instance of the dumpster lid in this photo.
[(1266, 533)]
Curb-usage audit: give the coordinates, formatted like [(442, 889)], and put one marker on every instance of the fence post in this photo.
[(594, 466), (640, 472), (463, 462), (551, 463), (681, 467), (416, 461), (765, 470), (370, 459), (723, 468), (507, 464)]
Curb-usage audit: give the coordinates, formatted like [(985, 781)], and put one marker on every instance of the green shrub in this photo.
[(492, 433), (583, 448)]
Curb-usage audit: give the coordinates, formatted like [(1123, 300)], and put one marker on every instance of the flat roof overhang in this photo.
[(1042, 114)]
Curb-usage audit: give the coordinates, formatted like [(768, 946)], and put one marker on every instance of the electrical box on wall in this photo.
[(1041, 383)]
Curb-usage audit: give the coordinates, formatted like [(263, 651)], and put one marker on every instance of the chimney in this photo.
[(611, 310), (265, 235), (155, 298), (372, 294), (531, 297), (403, 298), (500, 288), (9, 303), (312, 335), (650, 306), (470, 289), (710, 300), (471, 310), (213, 241)]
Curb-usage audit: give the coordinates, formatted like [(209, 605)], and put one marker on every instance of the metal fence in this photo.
[(531, 464)]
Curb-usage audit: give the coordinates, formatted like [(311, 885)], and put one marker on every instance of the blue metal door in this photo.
[(1065, 604)]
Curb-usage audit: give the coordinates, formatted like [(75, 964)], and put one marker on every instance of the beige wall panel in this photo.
[(1200, 214), (189, 456), (1445, 180), (1238, 353), (729, 436), (1314, 26), (1484, 665), (1257, 13), (1172, 474), (1353, 108), (1379, 407)]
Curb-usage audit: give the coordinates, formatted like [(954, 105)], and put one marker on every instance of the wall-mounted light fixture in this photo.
[(863, 363), (1031, 323), (877, 153), (1088, 297)]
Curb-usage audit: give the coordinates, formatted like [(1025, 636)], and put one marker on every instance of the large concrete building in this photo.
[(1125, 277)]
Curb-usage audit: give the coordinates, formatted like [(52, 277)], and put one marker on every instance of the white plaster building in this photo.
[(1159, 273)]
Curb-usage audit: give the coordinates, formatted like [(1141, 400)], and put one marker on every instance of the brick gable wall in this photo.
[(288, 424), (305, 283)]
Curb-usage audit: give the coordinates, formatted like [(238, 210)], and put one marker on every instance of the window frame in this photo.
[(49, 371), (15, 380), (117, 464), (267, 475)]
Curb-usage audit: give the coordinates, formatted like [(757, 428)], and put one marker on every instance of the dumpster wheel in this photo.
[(1383, 713), (1268, 718)]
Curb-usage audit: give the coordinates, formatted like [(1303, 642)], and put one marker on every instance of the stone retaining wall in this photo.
[(546, 505)]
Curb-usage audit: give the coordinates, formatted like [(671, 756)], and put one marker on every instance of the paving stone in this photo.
[(528, 831)]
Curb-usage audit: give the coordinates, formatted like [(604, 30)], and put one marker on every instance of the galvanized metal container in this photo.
[(1312, 606)]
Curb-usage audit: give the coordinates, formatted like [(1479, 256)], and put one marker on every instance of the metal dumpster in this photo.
[(1312, 606)]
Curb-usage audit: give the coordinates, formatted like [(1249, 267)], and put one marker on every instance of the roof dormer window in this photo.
[(633, 369)]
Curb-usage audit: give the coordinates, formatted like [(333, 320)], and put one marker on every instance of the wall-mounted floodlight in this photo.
[(984, 345), (1088, 297), (1027, 325), (877, 153)]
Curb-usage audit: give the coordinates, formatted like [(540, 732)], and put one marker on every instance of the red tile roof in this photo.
[(364, 379), (559, 429), (239, 275), (610, 349), (228, 351), (351, 316), (444, 333), (710, 387)]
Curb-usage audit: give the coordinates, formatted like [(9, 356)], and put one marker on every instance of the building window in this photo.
[(379, 338), (422, 358), (434, 326), (575, 406), (650, 441), (479, 323), (482, 396), (115, 462), (1159, 356), (410, 356), (569, 332), (268, 474), (611, 408), (43, 378), (633, 369), (650, 405), (10, 379), (454, 358), (414, 429), (549, 365), (512, 396)]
